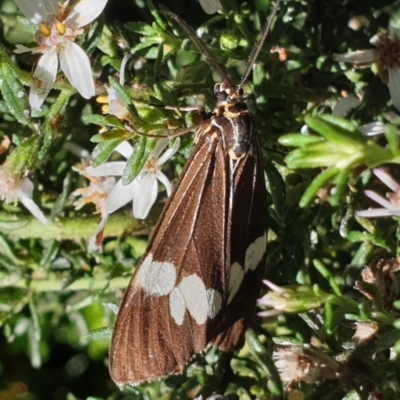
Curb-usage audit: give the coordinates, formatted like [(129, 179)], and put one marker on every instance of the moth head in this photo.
[(226, 93)]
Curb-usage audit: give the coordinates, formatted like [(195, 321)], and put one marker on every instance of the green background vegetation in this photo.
[(55, 328)]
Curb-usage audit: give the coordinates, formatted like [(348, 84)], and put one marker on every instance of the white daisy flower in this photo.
[(112, 103), (390, 206), (142, 191), (97, 192), (58, 26), (385, 55), (14, 188)]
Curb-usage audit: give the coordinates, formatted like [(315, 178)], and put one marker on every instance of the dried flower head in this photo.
[(364, 332), (297, 363), (382, 276)]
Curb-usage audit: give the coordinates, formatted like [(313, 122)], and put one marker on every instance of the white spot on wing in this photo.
[(156, 278), (235, 280), (177, 306), (214, 300), (255, 253), (195, 295)]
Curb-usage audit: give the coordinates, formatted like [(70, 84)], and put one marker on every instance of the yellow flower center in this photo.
[(60, 28), (44, 30)]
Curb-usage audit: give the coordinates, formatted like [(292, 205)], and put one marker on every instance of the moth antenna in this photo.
[(259, 44), (200, 45)]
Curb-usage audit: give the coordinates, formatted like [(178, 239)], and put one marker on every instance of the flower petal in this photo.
[(356, 57), (94, 243), (76, 66), (122, 69), (119, 196), (158, 149), (169, 153), (386, 179), (379, 199), (27, 186), (145, 196), (125, 149), (37, 10), (375, 39), (344, 105), (32, 207), (43, 78), (394, 86), (165, 181), (375, 212), (22, 49), (84, 12), (372, 129), (210, 6), (112, 168)]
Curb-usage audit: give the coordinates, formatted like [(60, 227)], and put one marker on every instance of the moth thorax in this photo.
[(240, 124)]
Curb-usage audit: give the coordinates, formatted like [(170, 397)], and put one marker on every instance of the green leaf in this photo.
[(263, 359), (111, 135), (14, 93), (103, 120), (135, 162), (6, 252), (103, 150), (93, 36), (159, 59), (316, 184), (337, 130), (340, 182), (154, 12), (299, 140), (320, 267), (278, 188), (144, 45), (24, 155), (141, 28), (100, 334), (165, 94), (123, 95), (363, 254), (26, 24), (392, 135), (323, 154), (47, 133)]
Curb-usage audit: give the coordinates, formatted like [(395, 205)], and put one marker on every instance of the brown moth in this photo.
[(199, 279)]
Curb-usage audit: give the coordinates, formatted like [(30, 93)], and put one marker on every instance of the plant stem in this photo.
[(71, 228), (92, 284)]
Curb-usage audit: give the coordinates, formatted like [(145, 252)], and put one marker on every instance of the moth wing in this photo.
[(247, 243), (164, 315)]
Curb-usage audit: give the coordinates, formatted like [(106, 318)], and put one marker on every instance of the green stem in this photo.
[(92, 284), (71, 228)]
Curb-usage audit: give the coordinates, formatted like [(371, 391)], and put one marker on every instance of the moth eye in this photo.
[(217, 89), (222, 96)]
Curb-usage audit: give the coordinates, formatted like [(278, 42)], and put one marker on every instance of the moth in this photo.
[(199, 278)]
